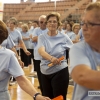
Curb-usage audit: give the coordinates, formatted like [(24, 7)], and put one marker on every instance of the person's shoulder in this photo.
[(17, 31), (79, 45), (65, 36), (61, 33), (7, 51), (37, 29), (42, 35)]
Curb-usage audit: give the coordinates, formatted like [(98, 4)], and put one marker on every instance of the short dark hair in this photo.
[(35, 21), (3, 31)]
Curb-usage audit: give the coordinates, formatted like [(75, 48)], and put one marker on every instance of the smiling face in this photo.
[(76, 28), (52, 23), (12, 23), (91, 32)]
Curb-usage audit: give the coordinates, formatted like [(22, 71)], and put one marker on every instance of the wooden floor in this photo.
[(18, 94)]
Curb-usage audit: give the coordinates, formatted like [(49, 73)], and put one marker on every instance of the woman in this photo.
[(85, 57), (10, 66), (26, 39), (75, 28), (69, 31), (16, 36), (52, 45)]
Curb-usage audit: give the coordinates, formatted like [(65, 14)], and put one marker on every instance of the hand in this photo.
[(30, 36), (55, 61), (28, 53), (21, 63), (40, 97)]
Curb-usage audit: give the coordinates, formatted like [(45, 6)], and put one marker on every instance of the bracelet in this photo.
[(35, 95)]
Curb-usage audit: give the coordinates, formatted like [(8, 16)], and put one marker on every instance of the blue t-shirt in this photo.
[(71, 35), (81, 53), (8, 43), (37, 32), (8, 66), (31, 42), (16, 36), (26, 42), (55, 46), (80, 33)]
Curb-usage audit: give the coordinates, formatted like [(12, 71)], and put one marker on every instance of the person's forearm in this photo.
[(14, 50), (86, 77), (23, 46), (26, 38), (26, 85), (35, 39), (45, 54), (92, 80)]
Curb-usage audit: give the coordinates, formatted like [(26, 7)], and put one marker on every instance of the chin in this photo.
[(86, 40)]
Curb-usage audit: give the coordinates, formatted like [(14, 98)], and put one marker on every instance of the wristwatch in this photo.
[(35, 95)]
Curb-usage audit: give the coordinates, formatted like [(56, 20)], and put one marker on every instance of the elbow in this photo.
[(81, 79)]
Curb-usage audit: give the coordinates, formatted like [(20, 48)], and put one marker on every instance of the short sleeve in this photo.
[(77, 56), (10, 43), (40, 41), (67, 42), (14, 68), (35, 32)]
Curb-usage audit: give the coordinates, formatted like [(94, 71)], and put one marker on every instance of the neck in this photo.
[(52, 33), (42, 28), (11, 29), (96, 48)]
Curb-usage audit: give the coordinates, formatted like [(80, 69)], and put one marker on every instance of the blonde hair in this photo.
[(75, 24), (25, 26), (42, 16)]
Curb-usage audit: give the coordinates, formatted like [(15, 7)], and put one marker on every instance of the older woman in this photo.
[(75, 28), (52, 45), (16, 35), (85, 57), (10, 66), (26, 39)]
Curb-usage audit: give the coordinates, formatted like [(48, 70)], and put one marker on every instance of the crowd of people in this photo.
[(46, 41)]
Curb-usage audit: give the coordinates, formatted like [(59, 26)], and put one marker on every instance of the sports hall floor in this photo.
[(18, 94)]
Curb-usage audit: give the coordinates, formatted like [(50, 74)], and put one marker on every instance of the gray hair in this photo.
[(42, 16)]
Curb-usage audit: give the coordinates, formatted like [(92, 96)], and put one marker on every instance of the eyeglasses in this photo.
[(89, 24), (52, 22), (41, 22)]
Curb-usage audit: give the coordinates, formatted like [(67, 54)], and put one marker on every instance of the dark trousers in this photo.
[(67, 55), (37, 64), (24, 57), (55, 84), (32, 57)]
